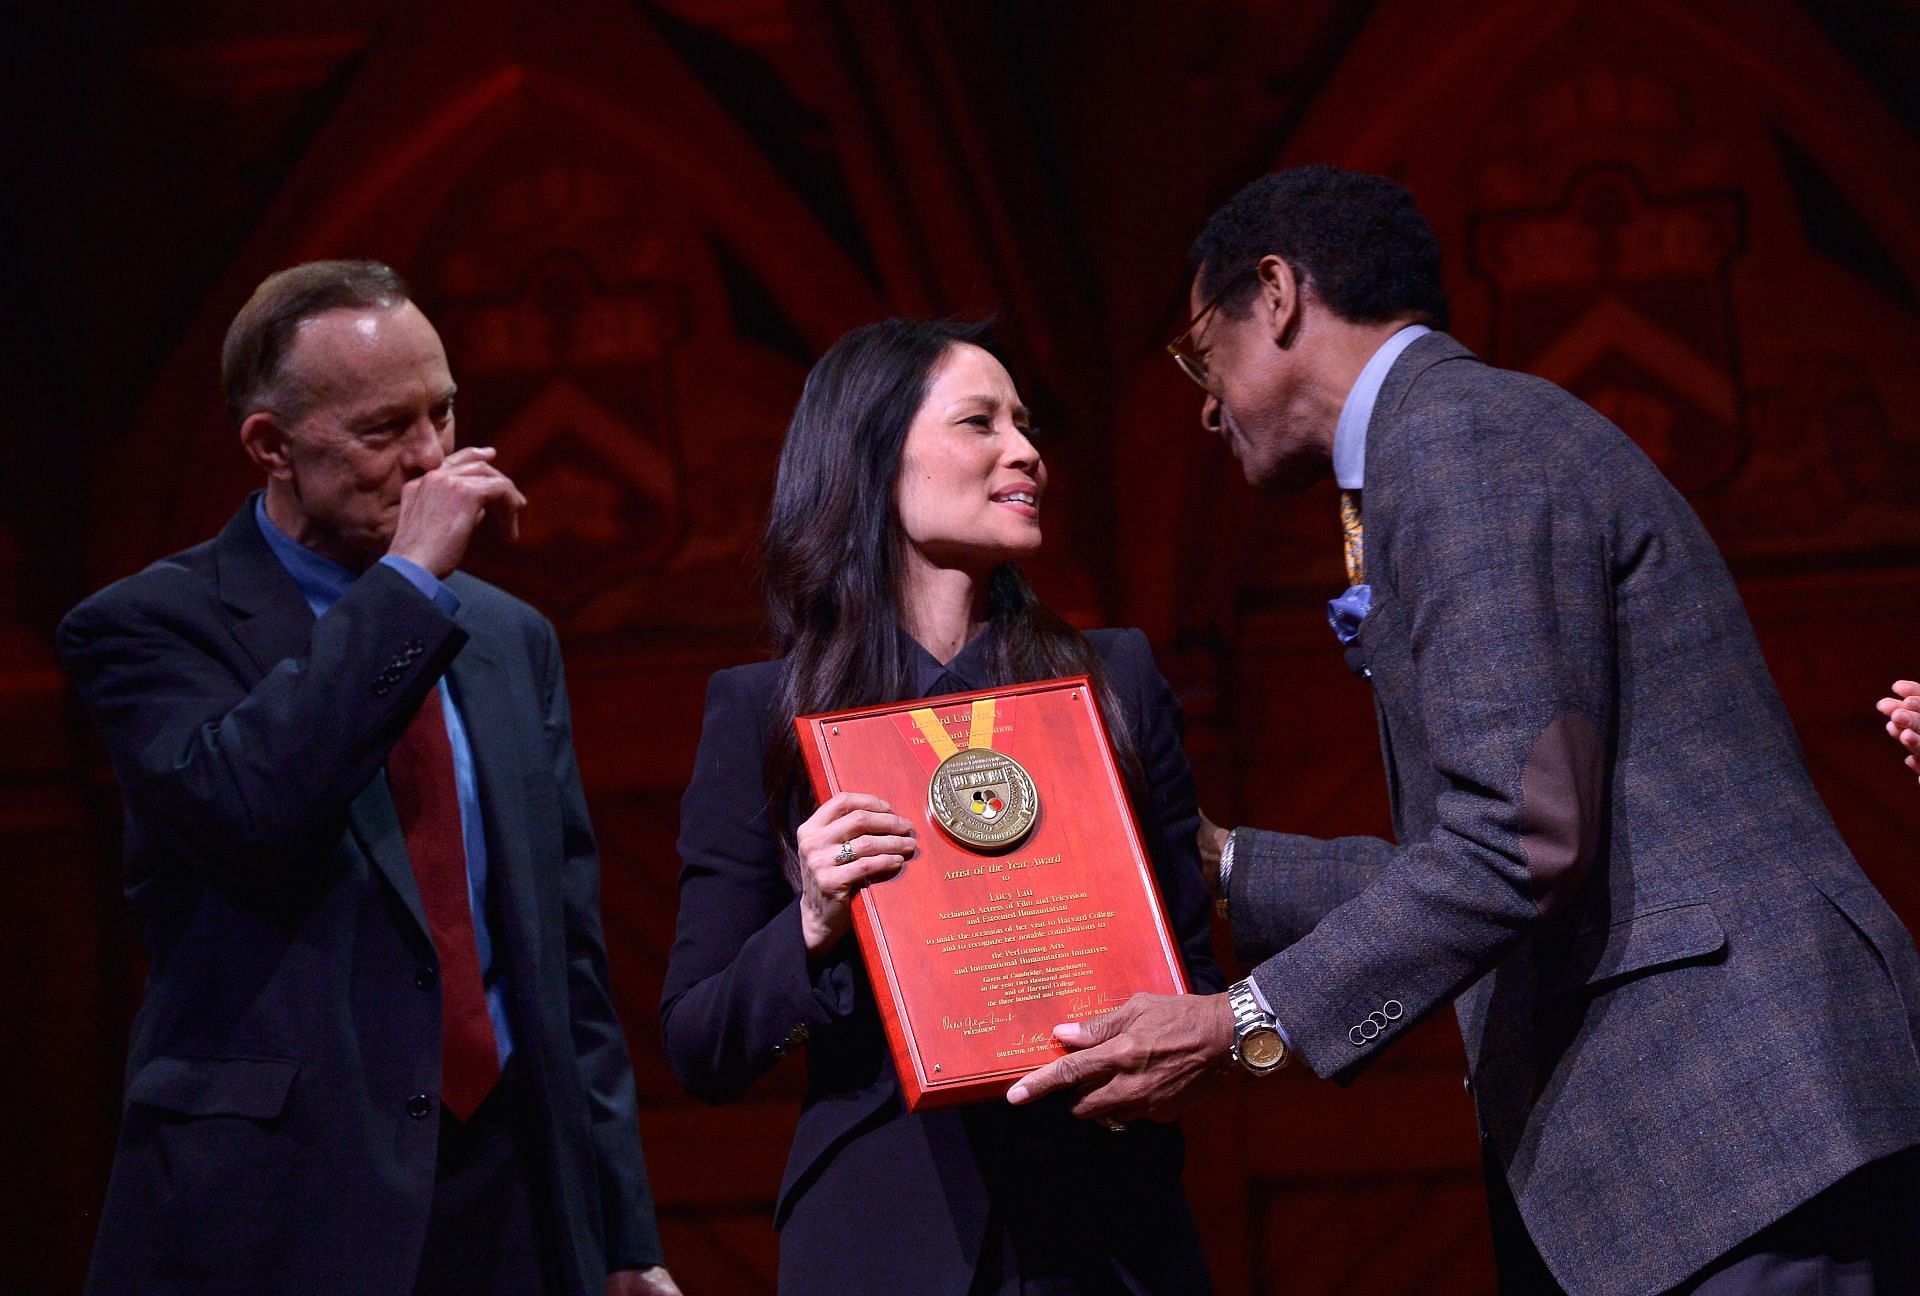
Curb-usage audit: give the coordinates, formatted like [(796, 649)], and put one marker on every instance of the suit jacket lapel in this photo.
[(1383, 432), (492, 711), (276, 624), (378, 828), (1388, 418)]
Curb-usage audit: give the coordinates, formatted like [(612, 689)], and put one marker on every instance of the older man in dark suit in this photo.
[(1691, 1022), (377, 1052)]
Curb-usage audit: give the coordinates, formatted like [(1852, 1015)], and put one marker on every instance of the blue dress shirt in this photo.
[(321, 582)]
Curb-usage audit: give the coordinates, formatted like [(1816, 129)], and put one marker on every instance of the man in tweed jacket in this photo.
[(1690, 1020)]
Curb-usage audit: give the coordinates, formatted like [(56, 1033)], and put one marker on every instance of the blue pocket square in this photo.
[(1346, 613)]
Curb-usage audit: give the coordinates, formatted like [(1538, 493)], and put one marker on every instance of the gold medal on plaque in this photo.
[(984, 799)]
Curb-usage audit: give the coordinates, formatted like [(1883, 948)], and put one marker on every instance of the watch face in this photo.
[(1262, 1050)]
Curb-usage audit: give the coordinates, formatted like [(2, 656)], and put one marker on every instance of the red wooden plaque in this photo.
[(976, 954)]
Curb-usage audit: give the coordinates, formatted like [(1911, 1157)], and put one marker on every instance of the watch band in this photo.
[(1247, 1011)]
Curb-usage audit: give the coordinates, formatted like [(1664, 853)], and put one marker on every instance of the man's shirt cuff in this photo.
[(425, 581)]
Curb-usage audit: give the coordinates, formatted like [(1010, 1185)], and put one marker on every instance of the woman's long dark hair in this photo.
[(834, 554)]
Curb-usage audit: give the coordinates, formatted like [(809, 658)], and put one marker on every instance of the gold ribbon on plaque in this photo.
[(984, 799)]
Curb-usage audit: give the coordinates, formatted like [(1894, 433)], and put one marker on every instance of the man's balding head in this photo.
[(253, 369)]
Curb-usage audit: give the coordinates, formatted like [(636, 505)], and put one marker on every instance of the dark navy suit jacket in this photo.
[(283, 1076), (875, 1200)]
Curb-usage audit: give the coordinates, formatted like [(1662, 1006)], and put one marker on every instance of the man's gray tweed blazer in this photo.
[(1685, 1008)]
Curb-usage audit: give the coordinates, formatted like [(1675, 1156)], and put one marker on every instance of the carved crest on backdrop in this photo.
[(576, 301), (1644, 241), (1624, 299), (578, 405)]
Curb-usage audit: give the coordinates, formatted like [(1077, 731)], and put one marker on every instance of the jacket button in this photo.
[(381, 688), (426, 977), (420, 1106)]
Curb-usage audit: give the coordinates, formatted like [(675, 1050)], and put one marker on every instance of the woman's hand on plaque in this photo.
[(851, 840)]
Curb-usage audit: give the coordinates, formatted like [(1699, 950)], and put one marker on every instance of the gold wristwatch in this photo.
[(1258, 1044)]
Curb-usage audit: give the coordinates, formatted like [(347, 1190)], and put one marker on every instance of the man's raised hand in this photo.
[(440, 509)]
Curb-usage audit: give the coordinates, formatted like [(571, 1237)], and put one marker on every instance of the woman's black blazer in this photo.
[(875, 1199)]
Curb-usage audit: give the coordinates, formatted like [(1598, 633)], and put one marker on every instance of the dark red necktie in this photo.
[(420, 776)]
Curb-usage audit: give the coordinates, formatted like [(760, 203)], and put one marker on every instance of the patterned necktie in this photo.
[(1354, 532), (420, 777)]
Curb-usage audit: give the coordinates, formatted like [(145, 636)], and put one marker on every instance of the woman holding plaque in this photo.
[(909, 485)]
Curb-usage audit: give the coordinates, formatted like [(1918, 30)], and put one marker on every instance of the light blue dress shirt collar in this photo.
[(1350, 433), (321, 580)]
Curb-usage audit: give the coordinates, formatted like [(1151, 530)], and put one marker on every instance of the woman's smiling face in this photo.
[(970, 478)]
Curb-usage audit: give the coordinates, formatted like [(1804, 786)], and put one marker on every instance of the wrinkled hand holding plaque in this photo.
[(1031, 899)]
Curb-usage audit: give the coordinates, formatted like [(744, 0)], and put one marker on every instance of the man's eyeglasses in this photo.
[(1191, 362)]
